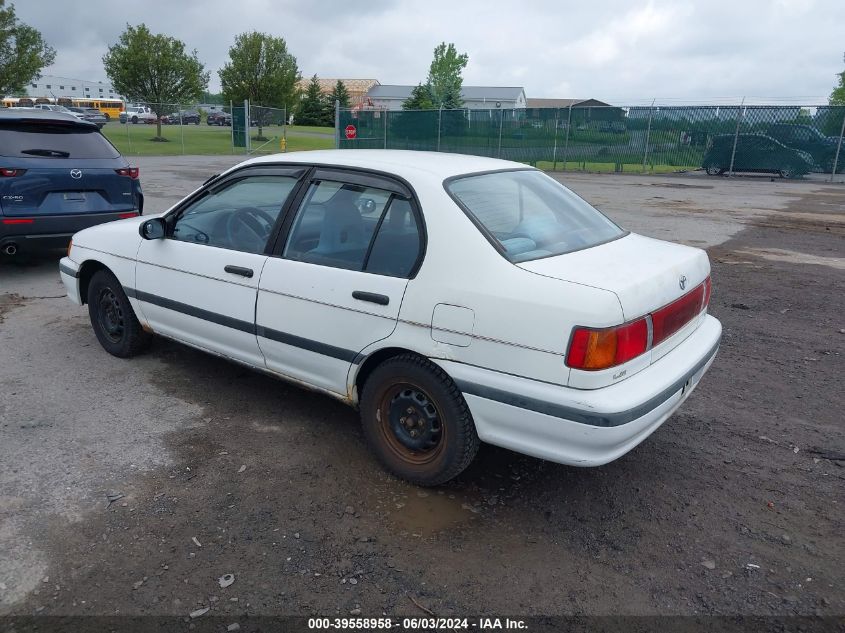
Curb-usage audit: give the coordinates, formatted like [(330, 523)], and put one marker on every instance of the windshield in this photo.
[(530, 215), (53, 140)]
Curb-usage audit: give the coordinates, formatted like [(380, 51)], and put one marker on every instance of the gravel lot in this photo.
[(733, 507)]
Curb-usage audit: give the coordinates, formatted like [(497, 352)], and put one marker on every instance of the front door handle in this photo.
[(239, 270), (372, 297)]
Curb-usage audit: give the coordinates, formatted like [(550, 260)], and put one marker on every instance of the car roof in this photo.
[(41, 116), (404, 163)]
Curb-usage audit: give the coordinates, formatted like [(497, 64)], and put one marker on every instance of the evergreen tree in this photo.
[(312, 107)]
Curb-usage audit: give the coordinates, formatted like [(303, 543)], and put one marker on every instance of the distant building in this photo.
[(535, 102), (391, 97), (56, 86), (357, 88)]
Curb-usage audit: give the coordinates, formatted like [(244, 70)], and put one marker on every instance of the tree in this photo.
[(261, 69), (420, 99), (444, 76), (339, 93), (312, 108), (837, 97), (155, 70), (23, 52)]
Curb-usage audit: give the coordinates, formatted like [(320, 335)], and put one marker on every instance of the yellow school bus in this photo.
[(109, 107)]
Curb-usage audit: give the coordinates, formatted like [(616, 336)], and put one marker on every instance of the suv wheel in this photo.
[(713, 170), (787, 172)]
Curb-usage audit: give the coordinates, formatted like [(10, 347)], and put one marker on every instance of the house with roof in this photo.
[(357, 88), (535, 102), (391, 97)]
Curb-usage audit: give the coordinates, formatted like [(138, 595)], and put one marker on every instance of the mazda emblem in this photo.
[(76, 174), (682, 282)]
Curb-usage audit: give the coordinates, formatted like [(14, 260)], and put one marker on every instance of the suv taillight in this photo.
[(131, 172), (5, 172), (593, 349)]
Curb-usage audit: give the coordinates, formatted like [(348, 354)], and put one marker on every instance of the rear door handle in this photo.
[(239, 270), (372, 297)]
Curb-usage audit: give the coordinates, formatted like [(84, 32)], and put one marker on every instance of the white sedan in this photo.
[(452, 299)]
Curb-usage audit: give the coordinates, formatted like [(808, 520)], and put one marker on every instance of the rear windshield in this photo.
[(529, 215), (49, 140)]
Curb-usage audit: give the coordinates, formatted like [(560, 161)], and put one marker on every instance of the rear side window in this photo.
[(529, 215), (47, 140)]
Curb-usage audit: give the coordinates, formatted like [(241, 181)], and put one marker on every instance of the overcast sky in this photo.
[(697, 50)]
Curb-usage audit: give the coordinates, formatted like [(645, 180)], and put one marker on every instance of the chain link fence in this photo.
[(790, 141), (177, 129)]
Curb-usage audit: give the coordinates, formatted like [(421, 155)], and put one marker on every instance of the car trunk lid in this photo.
[(644, 273)]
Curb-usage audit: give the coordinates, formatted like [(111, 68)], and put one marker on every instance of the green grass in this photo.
[(136, 140), (626, 168)]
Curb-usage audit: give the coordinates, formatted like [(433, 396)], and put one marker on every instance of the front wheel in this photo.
[(134, 119), (713, 170), (112, 317), (787, 172), (417, 422)]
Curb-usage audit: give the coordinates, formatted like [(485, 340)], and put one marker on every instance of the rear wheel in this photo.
[(417, 422), (112, 317)]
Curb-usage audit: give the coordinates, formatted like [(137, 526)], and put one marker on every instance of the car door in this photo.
[(199, 283), (336, 285)]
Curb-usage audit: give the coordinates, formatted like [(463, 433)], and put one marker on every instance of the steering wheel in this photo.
[(244, 229)]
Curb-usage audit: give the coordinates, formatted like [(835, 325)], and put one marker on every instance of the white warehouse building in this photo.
[(391, 97), (56, 86)]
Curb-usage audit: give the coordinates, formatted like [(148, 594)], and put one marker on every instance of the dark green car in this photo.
[(755, 153), (808, 139)]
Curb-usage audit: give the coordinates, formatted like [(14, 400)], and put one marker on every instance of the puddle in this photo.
[(794, 257), (423, 513)]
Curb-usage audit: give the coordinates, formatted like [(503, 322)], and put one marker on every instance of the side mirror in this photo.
[(152, 229)]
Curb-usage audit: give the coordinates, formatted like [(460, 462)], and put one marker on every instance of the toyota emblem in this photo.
[(76, 174), (682, 282)]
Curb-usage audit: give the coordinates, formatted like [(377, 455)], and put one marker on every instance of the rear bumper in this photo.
[(51, 231), (584, 427)]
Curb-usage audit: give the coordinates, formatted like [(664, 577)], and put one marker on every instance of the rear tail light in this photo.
[(18, 220), (6, 172), (599, 349), (593, 349), (130, 172)]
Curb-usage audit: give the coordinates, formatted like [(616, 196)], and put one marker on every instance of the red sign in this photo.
[(351, 132)]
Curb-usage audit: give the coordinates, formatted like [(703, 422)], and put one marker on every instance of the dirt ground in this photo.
[(733, 507)]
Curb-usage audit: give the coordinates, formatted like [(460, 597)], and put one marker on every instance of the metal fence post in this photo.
[(736, 137), (232, 127), (337, 123), (501, 121), (439, 124), (566, 141), (554, 147), (181, 128), (385, 127), (838, 147), (648, 133)]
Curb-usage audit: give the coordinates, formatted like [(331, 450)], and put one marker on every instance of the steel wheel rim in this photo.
[(110, 315), (410, 423)]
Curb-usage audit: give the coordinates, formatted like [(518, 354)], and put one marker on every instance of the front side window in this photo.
[(530, 215), (239, 217), (350, 226)]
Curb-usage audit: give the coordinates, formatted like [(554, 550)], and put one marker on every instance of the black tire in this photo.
[(713, 170), (788, 171), (444, 440), (134, 119), (112, 317)]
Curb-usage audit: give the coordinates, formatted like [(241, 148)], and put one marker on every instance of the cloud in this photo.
[(612, 50)]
